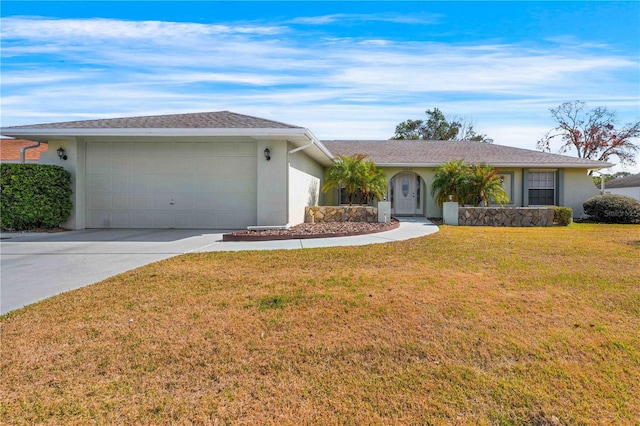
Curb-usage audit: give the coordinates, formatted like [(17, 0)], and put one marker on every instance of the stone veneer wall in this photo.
[(505, 216), (340, 214)]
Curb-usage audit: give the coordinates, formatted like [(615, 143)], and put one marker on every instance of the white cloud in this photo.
[(350, 88), (35, 28), (414, 19)]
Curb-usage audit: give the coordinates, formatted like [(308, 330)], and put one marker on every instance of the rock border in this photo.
[(246, 235)]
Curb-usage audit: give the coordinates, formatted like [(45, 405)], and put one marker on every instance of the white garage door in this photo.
[(209, 185)]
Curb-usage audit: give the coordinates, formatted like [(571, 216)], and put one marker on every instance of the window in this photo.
[(542, 188)]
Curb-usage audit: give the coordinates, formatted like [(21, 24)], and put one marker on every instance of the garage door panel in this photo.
[(98, 220), (121, 148), (171, 185), (99, 165), (144, 166), (122, 165), (120, 220), (204, 201), (166, 149), (121, 183), (121, 202), (164, 184), (141, 184), (99, 202), (141, 202), (98, 148), (99, 183)]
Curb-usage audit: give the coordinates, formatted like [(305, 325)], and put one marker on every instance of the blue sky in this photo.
[(345, 70)]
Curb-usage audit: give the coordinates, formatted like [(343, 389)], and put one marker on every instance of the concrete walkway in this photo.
[(35, 266)]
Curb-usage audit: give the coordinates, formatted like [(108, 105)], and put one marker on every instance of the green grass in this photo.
[(507, 326)]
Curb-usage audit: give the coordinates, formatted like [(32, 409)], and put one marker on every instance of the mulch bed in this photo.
[(312, 230)]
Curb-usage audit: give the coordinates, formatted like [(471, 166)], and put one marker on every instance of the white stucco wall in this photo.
[(633, 192), (75, 164), (272, 184), (305, 183), (578, 188)]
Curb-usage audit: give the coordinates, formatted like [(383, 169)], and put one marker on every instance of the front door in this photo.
[(405, 194)]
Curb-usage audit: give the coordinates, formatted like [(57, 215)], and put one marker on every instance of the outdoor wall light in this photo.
[(61, 153), (267, 154)]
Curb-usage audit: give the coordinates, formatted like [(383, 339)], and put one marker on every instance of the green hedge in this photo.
[(563, 216), (34, 196), (613, 208)]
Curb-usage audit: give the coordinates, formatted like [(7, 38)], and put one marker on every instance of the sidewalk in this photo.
[(410, 227)]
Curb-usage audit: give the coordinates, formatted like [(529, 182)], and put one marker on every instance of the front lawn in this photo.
[(471, 325)]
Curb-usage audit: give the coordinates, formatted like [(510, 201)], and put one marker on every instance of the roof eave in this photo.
[(596, 166), (298, 136)]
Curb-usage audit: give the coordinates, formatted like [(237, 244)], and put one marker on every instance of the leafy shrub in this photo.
[(34, 196), (563, 216), (613, 208)]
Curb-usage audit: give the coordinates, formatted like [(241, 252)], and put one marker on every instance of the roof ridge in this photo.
[(263, 119), (209, 119), (422, 152)]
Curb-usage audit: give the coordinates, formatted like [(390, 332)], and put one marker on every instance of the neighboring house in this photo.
[(10, 150), (221, 170), (628, 185)]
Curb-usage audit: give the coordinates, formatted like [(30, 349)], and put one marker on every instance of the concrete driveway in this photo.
[(34, 267), (37, 266)]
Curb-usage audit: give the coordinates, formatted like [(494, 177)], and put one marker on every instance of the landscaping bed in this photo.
[(313, 230)]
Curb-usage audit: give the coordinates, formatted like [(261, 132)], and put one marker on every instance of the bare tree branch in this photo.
[(592, 133)]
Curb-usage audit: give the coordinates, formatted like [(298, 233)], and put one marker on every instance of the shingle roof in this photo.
[(10, 150), (429, 153), (202, 120), (624, 182)]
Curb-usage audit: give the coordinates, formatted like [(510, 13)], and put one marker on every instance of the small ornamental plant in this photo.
[(562, 216)]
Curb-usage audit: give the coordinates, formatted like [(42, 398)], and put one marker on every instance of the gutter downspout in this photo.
[(24, 148)]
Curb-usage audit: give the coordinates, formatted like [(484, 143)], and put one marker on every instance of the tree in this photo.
[(373, 183), (597, 180), (592, 133), (485, 185), (472, 184), (437, 127), (353, 173), (449, 181)]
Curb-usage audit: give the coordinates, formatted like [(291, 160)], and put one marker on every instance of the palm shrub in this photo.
[(484, 185), (353, 173), (449, 181), (373, 182), (468, 184)]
